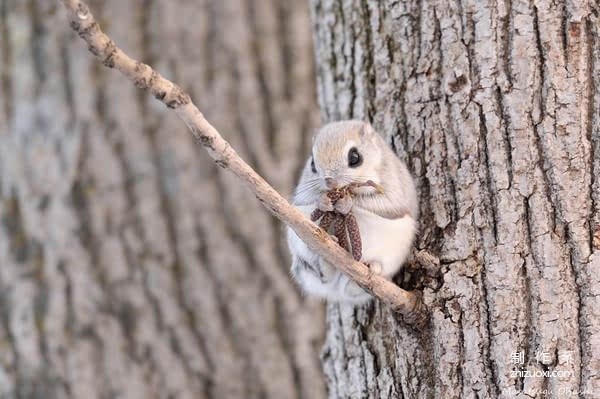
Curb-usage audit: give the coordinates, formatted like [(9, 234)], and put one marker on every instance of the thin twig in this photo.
[(144, 77)]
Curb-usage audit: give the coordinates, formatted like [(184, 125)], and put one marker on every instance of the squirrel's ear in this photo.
[(366, 130)]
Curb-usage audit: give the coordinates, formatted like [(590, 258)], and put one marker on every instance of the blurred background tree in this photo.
[(130, 266)]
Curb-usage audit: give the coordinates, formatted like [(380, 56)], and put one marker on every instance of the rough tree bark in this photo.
[(129, 266), (494, 105)]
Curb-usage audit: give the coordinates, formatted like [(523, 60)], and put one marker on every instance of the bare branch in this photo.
[(143, 76)]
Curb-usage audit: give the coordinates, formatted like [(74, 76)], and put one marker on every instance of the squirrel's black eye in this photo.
[(354, 158), (312, 165)]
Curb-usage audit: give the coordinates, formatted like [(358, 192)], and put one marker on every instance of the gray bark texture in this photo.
[(494, 106), (130, 265)]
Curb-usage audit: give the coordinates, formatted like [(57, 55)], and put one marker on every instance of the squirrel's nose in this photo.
[(330, 182)]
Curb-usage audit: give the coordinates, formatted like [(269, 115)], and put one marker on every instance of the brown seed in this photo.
[(335, 194), (354, 235), (340, 231), (316, 214), (326, 221), (345, 227)]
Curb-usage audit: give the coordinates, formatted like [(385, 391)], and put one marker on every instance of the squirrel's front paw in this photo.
[(324, 203), (375, 267), (344, 205)]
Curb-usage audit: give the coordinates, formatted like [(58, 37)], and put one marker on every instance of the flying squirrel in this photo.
[(386, 210)]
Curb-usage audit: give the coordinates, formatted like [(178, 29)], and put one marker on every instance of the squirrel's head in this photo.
[(346, 152)]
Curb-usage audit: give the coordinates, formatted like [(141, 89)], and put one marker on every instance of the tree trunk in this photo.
[(493, 104), (130, 266)]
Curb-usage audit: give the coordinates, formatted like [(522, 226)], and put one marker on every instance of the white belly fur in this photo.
[(386, 241)]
